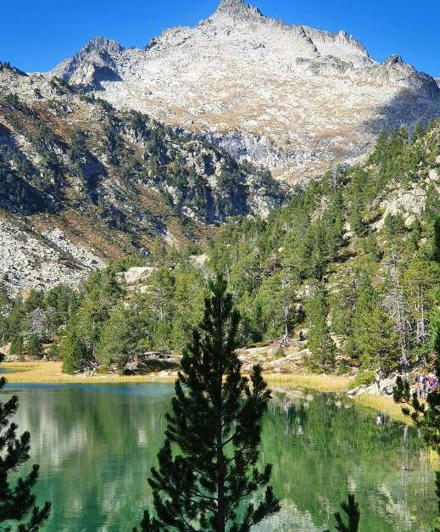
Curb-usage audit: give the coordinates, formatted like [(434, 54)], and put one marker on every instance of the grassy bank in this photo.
[(51, 373), (337, 384), (309, 381)]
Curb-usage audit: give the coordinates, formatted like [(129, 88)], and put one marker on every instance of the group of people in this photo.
[(425, 384)]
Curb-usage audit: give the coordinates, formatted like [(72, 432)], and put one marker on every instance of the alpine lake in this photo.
[(96, 444)]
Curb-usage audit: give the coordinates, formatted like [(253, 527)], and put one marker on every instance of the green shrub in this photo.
[(364, 378), (16, 345), (35, 345)]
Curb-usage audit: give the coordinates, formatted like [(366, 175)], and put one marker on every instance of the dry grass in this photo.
[(51, 373), (308, 381), (383, 404)]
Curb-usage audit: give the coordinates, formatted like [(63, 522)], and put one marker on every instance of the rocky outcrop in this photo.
[(293, 98), (145, 363), (31, 260), (74, 169)]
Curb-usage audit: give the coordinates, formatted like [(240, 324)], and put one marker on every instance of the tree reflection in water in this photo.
[(96, 444)]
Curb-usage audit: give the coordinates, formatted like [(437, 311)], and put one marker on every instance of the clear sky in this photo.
[(36, 34)]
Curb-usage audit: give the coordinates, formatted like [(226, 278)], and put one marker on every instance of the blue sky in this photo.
[(35, 35)]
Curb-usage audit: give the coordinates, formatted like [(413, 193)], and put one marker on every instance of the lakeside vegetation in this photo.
[(51, 372), (334, 269)]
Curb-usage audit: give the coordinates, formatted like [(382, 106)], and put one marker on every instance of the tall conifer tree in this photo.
[(436, 240), (17, 502), (208, 478)]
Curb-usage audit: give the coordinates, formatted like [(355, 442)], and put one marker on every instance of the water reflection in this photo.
[(329, 447), (96, 445)]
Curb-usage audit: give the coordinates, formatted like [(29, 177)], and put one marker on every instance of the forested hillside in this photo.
[(350, 267)]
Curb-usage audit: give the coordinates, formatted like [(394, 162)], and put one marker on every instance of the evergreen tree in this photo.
[(373, 340), (432, 204), (418, 132), (35, 345), (17, 345), (321, 344), (76, 356), (436, 240), (17, 502), (208, 479)]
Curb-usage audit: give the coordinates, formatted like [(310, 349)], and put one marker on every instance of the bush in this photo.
[(75, 354), (364, 378), (16, 345), (35, 345)]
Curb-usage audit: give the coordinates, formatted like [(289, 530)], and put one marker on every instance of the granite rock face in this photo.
[(291, 97), (82, 183)]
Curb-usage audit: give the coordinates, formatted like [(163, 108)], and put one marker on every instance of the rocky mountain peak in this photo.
[(393, 59), (238, 8), (290, 97), (227, 4), (101, 44)]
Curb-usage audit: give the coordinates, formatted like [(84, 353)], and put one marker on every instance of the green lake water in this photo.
[(96, 443)]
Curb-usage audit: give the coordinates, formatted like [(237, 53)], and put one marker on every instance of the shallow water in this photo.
[(96, 443)]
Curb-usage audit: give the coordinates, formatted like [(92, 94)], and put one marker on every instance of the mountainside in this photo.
[(346, 274), (290, 97), (106, 183)]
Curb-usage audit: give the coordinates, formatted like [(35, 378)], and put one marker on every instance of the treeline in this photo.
[(103, 323), (342, 266), (361, 282)]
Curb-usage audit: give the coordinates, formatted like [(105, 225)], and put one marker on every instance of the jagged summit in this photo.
[(291, 97), (394, 59), (102, 44), (238, 8), (227, 4)]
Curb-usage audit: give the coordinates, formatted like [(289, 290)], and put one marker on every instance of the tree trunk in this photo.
[(221, 470), (221, 503)]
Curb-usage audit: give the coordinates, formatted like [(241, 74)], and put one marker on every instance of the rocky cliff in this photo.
[(107, 182), (290, 97)]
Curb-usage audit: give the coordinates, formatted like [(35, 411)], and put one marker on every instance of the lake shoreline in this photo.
[(38, 372)]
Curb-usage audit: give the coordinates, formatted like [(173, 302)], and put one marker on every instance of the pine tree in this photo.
[(320, 342), (418, 132), (436, 240), (208, 479), (17, 502)]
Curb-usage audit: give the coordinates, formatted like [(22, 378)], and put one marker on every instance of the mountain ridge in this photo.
[(290, 97)]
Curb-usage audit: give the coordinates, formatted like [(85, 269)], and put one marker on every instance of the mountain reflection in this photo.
[(96, 444)]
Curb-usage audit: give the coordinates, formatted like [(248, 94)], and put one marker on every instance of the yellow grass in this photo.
[(383, 404), (51, 373), (308, 381)]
